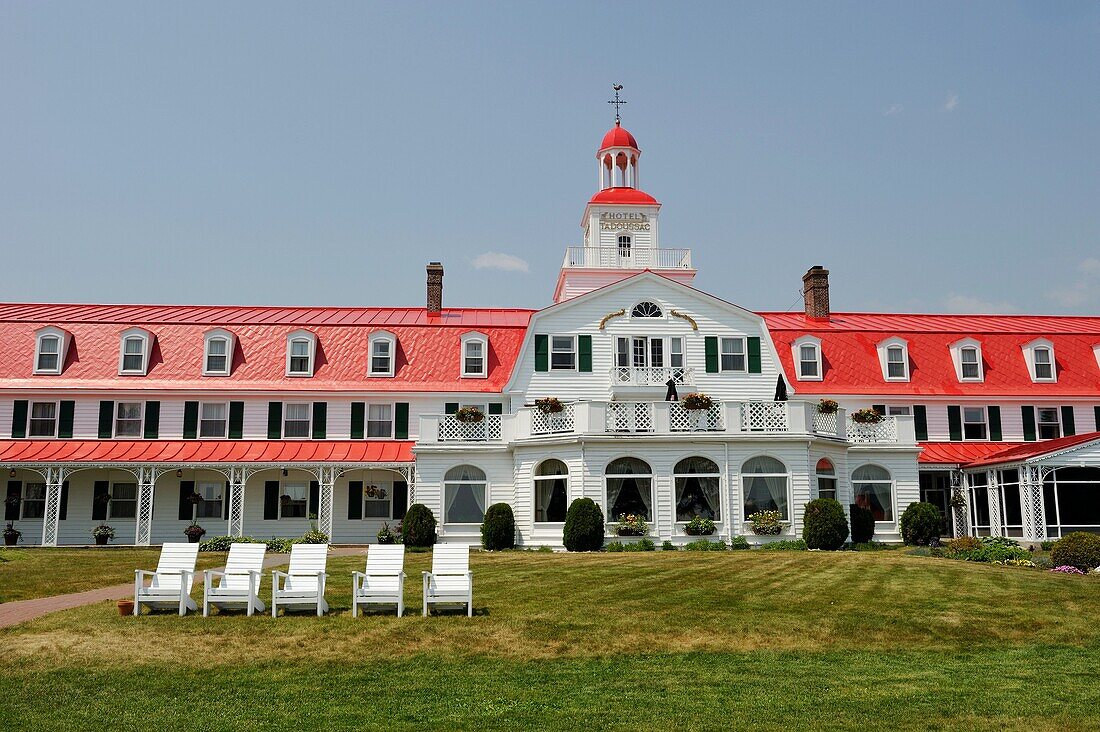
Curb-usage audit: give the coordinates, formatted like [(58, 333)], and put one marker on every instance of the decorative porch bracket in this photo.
[(1031, 503), (55, 479)]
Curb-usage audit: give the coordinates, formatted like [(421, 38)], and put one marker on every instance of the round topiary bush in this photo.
[(583, 526), (920, 524), (498, 530), (863, 524), (1079, 549), (418, 526), (824, 525)]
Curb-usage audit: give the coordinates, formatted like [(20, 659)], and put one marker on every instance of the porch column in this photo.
[(237, 478), (960, 506), (993, 496), (326, 478), (147, 478), (55, 479), (1032, 509)]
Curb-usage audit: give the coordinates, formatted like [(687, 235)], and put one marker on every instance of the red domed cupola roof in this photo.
[(618, 136), (625, 196)]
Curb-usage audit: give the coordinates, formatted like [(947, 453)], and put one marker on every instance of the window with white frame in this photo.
[(49, 351), (896, 367), (382, 347), (551, 491), (213, 419), (464, 491), (128, 419), (217, 353), (474, 355), (624, 245), (696, 483), (563, 353), (732, 354), (1049, 423), (300, 358), (873, 489), (294, 501), (629, 485), (809, 364), (764, 482), (974, 423), (296, 420), (212, 494), (377, 500), (379, 420), (646, 309), (826, 479), (1041, 364), (676, 353), (1044, 368), (893, 410), (123, 503), (134, 352), (33, 505), (971, 364), (42, 421)]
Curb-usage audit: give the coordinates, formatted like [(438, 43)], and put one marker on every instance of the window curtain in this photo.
[(614, 488), (296, 492), (697, 496), (766, 493), (465, 503), (877, 498), (545, 496), (644, 488)]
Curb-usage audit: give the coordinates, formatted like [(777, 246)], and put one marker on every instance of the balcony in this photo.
[(489, 429), (637, 258), (652, 375)]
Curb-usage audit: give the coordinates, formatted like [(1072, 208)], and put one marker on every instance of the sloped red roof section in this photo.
[(1028, 450), (957, 453), (205, 451)]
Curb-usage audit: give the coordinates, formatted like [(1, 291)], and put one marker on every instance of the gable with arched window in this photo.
[(646, 309)]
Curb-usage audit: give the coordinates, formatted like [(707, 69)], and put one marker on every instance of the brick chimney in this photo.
[(815, 292), (435, 288)]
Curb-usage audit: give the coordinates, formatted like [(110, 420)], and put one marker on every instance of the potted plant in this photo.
[(866, 416), (386, 535), (958, 500), (103, 533), (766, 523), (827, 406), (631, 525), (195, 498), (549, 405), (699, 526), (469, 415), (697, 401), (125, 607), (11, 534), (194, 532)]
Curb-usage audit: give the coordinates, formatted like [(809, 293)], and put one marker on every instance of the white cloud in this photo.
[(503, 262), (1090, 266), (952, 102), (969, 305), (892, 110), (1082, 291)]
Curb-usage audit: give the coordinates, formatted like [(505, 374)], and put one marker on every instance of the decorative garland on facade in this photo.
[(618, 313), (688, 318)]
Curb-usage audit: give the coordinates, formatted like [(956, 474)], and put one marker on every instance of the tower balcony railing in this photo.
[(652, 375), (634, 258)]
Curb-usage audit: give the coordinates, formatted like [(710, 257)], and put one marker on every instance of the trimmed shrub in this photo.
[(739, 542), (498, 530), (920, 524), (824, 525), (705, 545), (313, 536), (963, 544), (644, 545), (583, 530), (418, 526), (1079, 549), (986, 549), (863, 524), (668, 546), (787, 545)]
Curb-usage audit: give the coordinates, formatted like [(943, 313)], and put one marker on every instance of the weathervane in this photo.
[(616, 101)]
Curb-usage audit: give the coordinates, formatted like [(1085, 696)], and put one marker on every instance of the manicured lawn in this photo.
[(34, 572), (876, 640)]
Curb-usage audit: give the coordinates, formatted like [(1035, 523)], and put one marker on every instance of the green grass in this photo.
[(783, 640)]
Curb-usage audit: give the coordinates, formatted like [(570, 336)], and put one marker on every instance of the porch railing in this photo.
[(629, 417), (553, 423), (681, 419), (884, 431), (635, 258), (487, 430), (652, 375), (765, 416)]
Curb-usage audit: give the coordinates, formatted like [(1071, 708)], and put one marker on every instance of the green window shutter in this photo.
[(1096, 417), (320, 420), (236, 420), (1028, 414), (314, 498), (355, 500), (100, 489), (11, 505), (106, 420), (225, 502), (450, 407), (542, 352), (994, 413), (1068, 428), (271, 500), (358, 424), (19, 419), (152, 420), (190, 420), (711, 343), (955, 422), (400, 499), (584, 354), (754, 355), (920, 422), (187, 487), (496, 408), (65, 419), (880, 408), (401, 420), (274, 424), (63, 510)]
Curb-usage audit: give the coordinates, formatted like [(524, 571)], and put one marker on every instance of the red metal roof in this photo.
[(618, 136), (851, 364), (1019, 453), (626, 196), (957, 453), (205, 451)]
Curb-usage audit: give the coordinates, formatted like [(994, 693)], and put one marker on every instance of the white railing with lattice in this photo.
[(489, 429), (629, 417), (681, 419), (825, 424), (638, 258), (884, 431), (553, 423), (765, 417), (652, 375)]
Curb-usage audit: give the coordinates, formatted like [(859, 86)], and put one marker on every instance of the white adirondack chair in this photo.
[(240, 580), (171, 583), (450, 582), (303, 583), (383, 582)]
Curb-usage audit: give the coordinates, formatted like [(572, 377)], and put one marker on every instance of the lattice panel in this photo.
[(1032, 506), (555, 423), (490, 428), (961, 514), (884, 431), (53, 512), (236, 508), (144, 514), (994, 496), (764, 417), (695, 420), (629, 417), (324, 509), (825, 424), (652, 375)]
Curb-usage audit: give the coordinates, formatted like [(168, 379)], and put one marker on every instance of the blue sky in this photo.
[(934, 156)]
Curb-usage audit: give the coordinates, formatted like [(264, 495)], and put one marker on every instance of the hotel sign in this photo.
[(623, 221)]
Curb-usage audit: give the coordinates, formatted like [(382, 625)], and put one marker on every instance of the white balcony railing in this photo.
[(695, 420), (554, 423), (825, 424), (636, 258), (629, 417), (884, 431), (489, 429), (765, 416), (652, 375)]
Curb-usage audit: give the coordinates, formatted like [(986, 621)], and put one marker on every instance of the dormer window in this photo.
[(49, 350), (646, 309), (217, 359), (301, 346), (893, 356), (1039, 356), (807, 358), (475, 348), (382, 346), (134, 352), (966, 355)]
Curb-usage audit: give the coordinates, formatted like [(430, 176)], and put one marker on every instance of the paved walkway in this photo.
[(19, 611)]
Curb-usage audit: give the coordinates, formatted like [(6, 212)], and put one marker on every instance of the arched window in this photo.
[(217, 359), (872, 489), (646, 309), (826, 479), (624, 246), (301, 347), (764, 480), (551, 490), (697, 482), (464, 489), (134, 351), (629, 488)]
